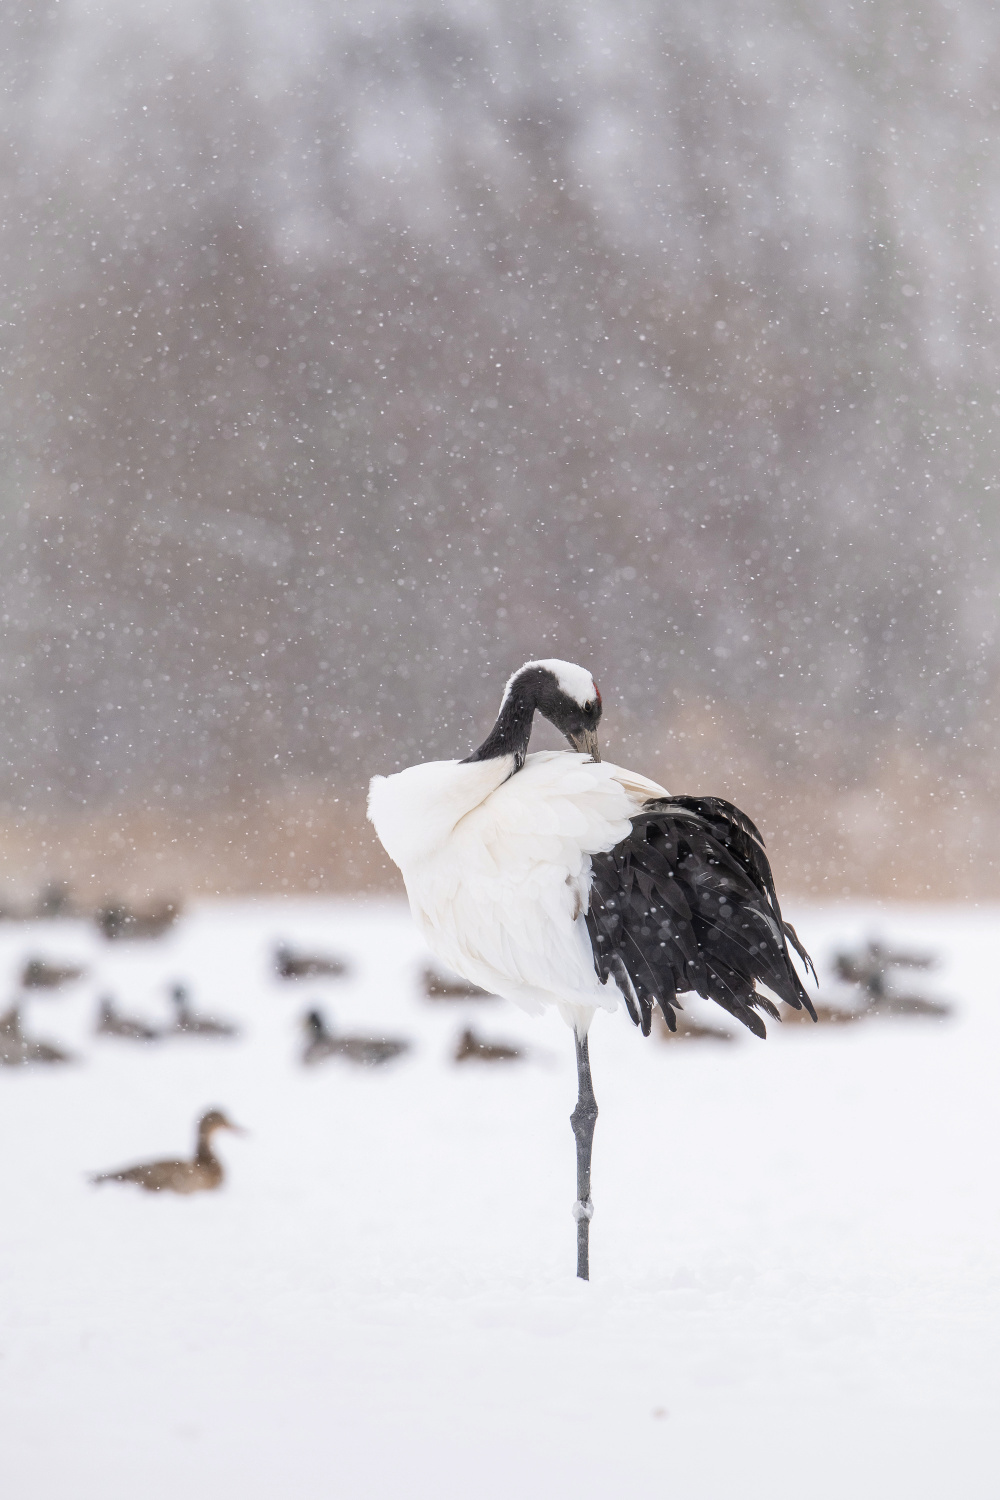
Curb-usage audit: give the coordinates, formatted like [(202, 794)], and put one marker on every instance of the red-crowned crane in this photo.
[(558, 879)]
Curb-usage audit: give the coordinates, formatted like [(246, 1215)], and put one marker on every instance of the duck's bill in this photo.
[(586, 743)]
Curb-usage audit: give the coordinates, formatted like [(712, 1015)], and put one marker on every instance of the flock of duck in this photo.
[(16, 1049), (868, 974), (321, 1041)]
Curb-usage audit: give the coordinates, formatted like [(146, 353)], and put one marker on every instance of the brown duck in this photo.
[(472, 1048), (17, 1050), (118, 922), (201, 1175), (366, 1051), (690, 1031), (111, 1022), (442, 987), (189, 1023), (871, 970), (292, 965), (38, 974), (826, 1015)]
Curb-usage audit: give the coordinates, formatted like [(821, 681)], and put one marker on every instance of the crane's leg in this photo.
[(583, 1119)]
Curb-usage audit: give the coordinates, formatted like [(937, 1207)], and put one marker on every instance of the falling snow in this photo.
[(358, 354)]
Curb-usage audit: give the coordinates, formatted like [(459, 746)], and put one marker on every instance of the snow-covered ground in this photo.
[(795, 1252)]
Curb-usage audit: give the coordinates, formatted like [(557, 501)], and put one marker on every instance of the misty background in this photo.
[(355, 353)]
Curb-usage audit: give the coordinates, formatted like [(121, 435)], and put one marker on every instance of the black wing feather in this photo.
[(687, 902), (741, 837)]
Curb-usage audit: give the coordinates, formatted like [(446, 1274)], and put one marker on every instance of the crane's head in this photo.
[(566, 695)]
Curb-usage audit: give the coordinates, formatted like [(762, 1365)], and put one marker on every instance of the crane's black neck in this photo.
[(512, 730)]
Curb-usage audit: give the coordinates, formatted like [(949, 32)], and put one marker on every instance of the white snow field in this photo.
[(795, 1251)]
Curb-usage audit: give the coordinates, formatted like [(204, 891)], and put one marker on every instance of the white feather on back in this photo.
[(501, 895), (416, 810)]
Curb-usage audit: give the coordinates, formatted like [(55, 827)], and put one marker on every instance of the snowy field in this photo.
[(795, 1251)]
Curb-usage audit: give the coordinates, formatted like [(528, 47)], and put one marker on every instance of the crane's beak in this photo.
[(586, 743)]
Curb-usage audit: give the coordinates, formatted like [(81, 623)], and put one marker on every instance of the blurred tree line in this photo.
[(354, 354)]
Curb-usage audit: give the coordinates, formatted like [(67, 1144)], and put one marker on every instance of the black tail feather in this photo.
[(687, 902)]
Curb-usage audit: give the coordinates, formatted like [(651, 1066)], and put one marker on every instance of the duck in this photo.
[(17, 1050), (55, 899), (472, 1048), (116, 921), (39, 974), (202, 1174), (366, 1051), (870, 969), (188, 1023), (687, 1030), (292, 965), (826, 1015), (439, 986), (111, 1023)]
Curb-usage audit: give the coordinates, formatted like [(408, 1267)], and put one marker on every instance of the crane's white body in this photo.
[(497, 867)]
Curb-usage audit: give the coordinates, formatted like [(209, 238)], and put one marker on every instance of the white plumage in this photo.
[(497, 867), (557, 879)]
